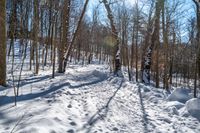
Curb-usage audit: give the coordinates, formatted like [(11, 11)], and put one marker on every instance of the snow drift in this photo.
[(180, 94), (193, 107)]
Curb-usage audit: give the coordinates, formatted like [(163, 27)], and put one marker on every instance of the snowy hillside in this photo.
[(99, 66), (89, 99)]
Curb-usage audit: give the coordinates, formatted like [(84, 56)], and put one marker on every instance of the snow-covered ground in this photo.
[(87, 99)]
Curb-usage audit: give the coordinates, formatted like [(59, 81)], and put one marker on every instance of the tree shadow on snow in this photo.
[(87, 83), (144, 113), (27, 81), (53, 87), (101, 113), (10, 99)]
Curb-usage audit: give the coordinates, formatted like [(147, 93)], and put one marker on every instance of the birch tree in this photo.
[(154, 40), (117, 61)]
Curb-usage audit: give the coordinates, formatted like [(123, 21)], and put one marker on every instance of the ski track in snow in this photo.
[(87, 99)]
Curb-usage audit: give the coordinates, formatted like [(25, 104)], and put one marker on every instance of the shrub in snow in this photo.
[(180, 94), (193, 107)]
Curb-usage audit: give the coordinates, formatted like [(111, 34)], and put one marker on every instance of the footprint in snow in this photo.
[(115, 129), (52, 131), (72, 123), (70, 131), (49, 101), (7, 128), (69, 106)]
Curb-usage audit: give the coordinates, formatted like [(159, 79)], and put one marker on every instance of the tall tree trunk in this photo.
[(35, 33), (49, 32), (154, 40), (65, 28), (165, 28), (136, 41), (54, 47), (197, 66), (67, 54), (146, 39), (3, 42), (117, 61), (132, 47)]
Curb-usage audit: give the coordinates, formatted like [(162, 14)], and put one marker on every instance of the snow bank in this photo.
[(180, 94), (173, 107), (193, 107), (176, 104)]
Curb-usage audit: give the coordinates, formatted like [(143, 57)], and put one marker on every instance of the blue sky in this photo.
[(187, 10), (94, 3)]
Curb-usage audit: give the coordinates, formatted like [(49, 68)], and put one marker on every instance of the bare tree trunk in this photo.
[(35, 33), (3, 42), (146, 39), (132, 47), (67, 54), (54, 48), (195, 79), (197, 66), (154, 40), (12, 28), (117, 61), (165, 28), (157, 66), (65, 28), (136, 41)]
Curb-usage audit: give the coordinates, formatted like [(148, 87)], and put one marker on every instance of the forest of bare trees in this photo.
[(110, 66)]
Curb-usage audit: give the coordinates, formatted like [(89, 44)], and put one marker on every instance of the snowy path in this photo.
[(85, 100)]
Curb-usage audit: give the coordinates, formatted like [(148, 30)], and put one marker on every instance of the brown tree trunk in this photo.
[(3, 42), (65, 28), (35, 33), (67, 54), (197, 66), (165, 28)]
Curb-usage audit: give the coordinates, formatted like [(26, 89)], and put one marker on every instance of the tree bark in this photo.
[(154, 40), (35, 35), (197, 64), (67, 54), (117, 61), (3, 42)]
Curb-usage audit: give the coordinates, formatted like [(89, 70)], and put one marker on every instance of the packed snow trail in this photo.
[(89, 100)]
